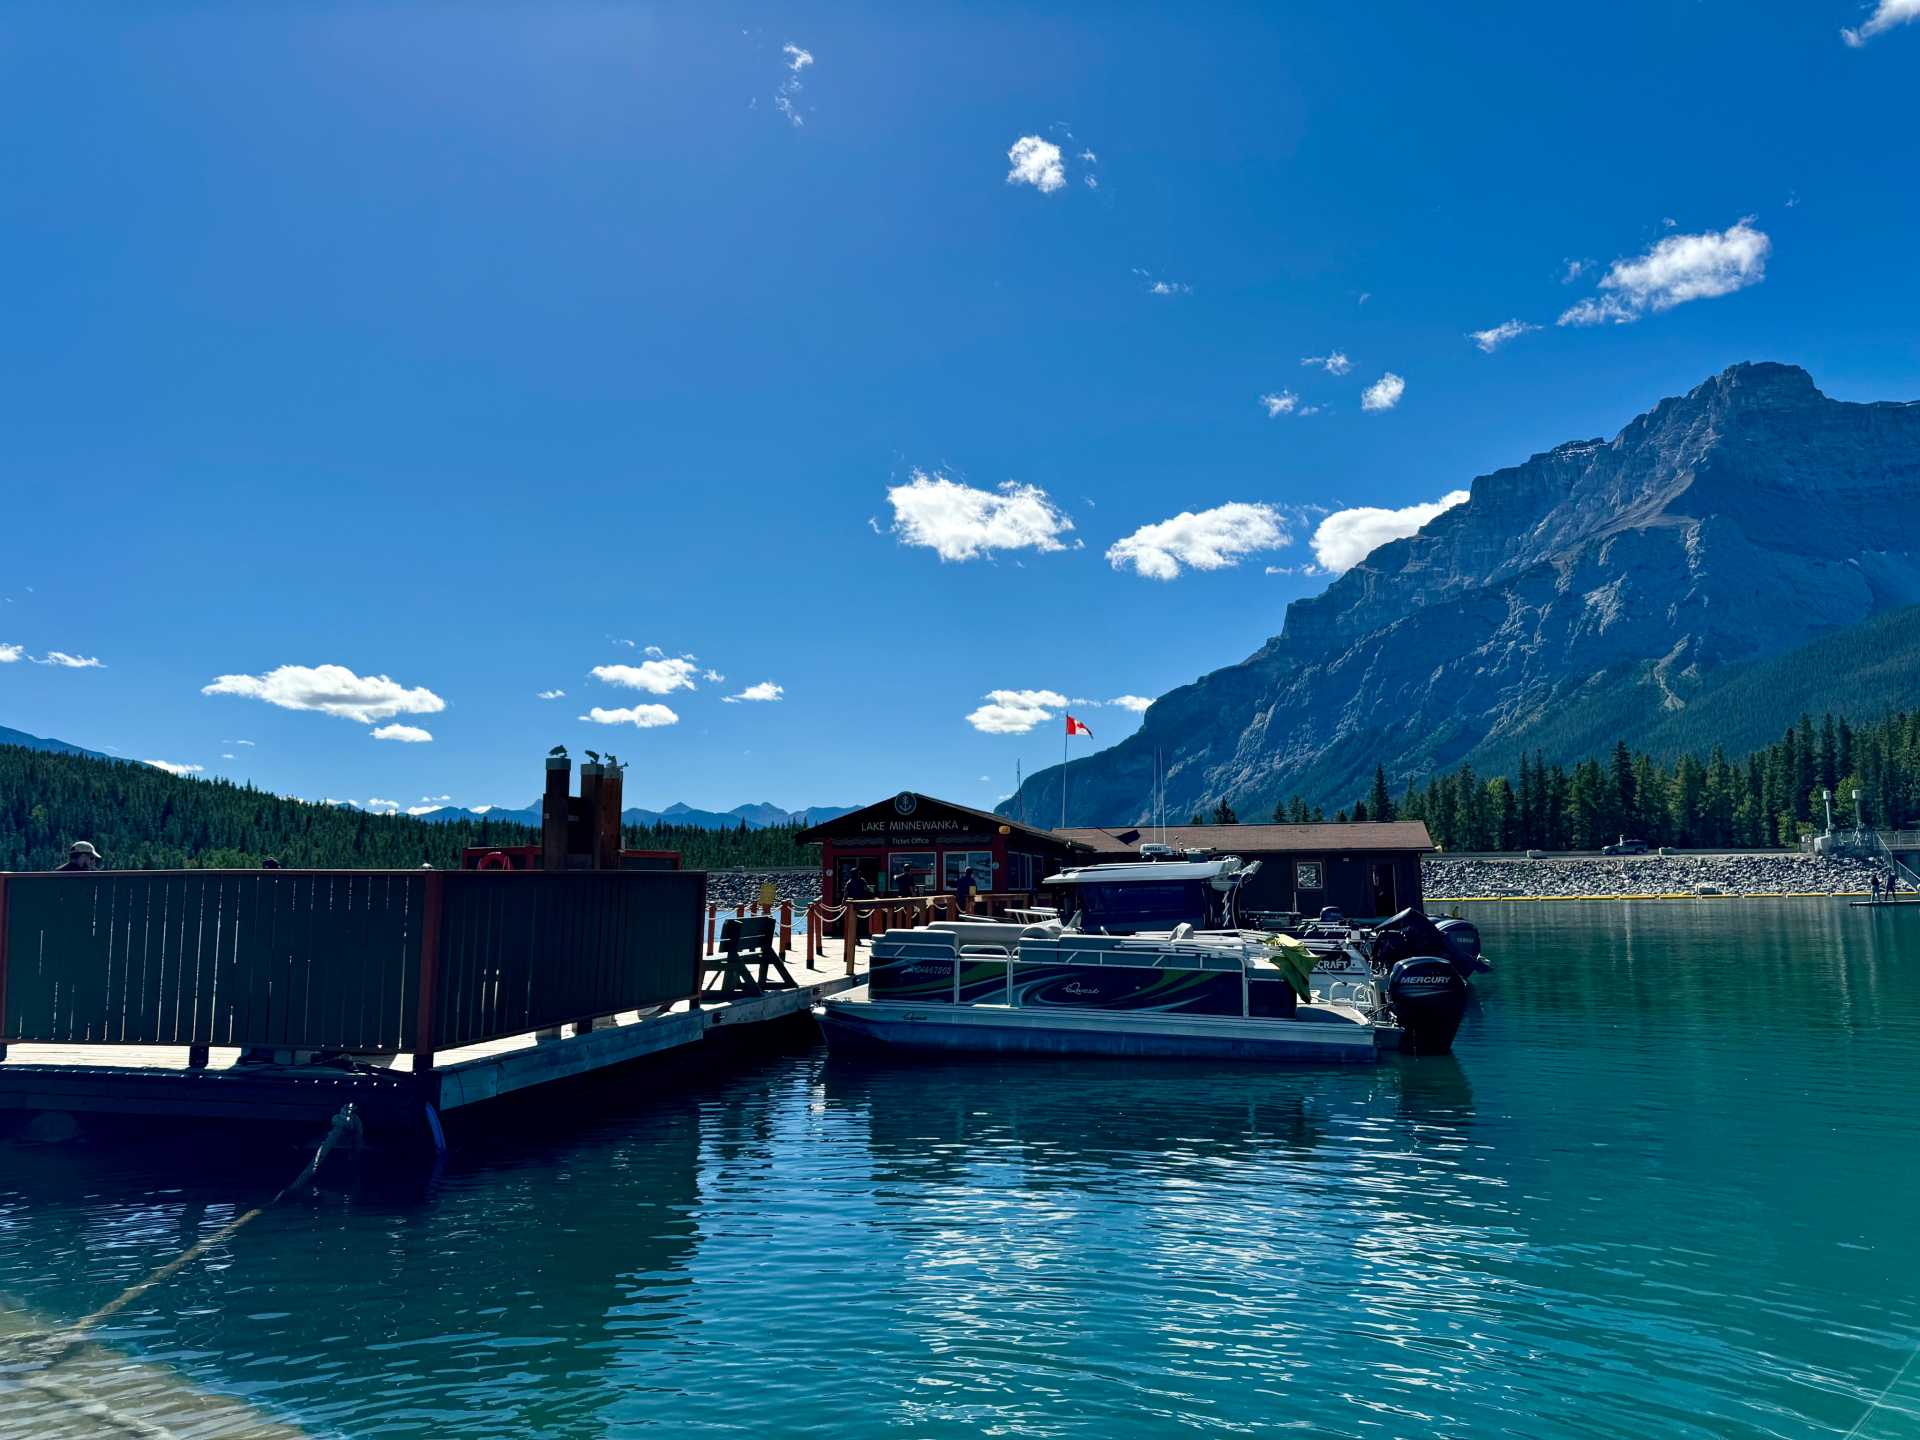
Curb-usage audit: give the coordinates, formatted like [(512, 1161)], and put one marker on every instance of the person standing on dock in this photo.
[(963, 889), (1873, 882), (80, 856)]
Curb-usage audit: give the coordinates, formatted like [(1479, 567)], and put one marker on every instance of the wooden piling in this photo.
[(853, 934), (786, 927), (432, 906), (553, 813), (3, 967)]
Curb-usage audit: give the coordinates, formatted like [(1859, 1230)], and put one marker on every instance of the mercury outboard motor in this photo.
[(1428, 997), (1412, 933), (1463, 944)]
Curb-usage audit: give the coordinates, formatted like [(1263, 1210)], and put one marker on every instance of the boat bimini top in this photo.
[(1151, 895), (1224, 873)]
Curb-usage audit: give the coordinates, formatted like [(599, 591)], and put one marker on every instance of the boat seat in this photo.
[(968, 933)]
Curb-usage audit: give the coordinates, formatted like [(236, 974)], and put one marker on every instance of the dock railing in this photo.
[(379, 962)]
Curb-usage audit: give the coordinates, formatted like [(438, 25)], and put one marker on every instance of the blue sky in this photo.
[(455, 345)]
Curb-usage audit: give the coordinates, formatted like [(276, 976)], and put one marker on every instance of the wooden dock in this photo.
[(280, 996)]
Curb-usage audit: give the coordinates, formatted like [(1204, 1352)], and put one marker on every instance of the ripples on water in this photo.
[(1662, 1189)]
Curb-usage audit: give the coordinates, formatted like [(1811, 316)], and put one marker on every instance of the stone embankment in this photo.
[(1566, 877), (727, 888)]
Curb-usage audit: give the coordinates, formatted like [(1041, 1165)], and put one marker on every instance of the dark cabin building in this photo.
[(913, 844), (1363, 868)]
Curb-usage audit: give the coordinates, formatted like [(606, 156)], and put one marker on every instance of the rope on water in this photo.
[(55, 1345)]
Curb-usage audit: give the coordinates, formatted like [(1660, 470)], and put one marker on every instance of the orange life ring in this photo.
[(494, 860)]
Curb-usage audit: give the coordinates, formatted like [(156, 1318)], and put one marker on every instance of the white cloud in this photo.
[(551, 695), (237, 742), (1204, 540), (173, 768), (406, 734), (765, 690), (656, 677), (383, 807), (10, 653), (1575, 269), (435, 799), (1036, 162), (647, 717), (1346, 537), (1334, 364), (1169, 287), (712, 676), (1678, 269), (958, 522), (228, 755), (1384, 393), (1492, 339), (1284, 402), (64, 661), (1136, 703), (1015, 712), (330, 690), (654, 651), (797, 60)]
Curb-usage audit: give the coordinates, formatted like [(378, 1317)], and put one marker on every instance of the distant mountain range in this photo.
[(757, 817), (763, 816), (1731, 558), (51, 747)]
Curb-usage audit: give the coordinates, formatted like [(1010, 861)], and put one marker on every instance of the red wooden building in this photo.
[(913, 844)]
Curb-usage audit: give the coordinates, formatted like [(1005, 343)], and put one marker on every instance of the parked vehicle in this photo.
[(1624, 846)]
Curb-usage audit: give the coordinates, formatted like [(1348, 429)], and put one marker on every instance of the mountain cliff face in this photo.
[(1615, 580)]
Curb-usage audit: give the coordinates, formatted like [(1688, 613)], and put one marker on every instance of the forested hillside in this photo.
[(1768, 798), (141, 818)]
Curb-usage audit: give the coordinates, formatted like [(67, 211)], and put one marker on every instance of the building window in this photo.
[(910, 872), (980, 862), (1020, 872), (1309, 875)]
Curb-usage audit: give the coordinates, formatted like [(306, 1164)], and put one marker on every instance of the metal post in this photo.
[(433, 903), (712, 911), (853, 934)]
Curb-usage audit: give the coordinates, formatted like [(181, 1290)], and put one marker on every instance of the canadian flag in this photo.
[(1074, 727)]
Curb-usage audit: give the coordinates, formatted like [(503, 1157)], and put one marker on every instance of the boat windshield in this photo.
[(1123, 908)]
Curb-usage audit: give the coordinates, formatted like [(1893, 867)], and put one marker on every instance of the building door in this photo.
[(1385, 893), (847, 866)]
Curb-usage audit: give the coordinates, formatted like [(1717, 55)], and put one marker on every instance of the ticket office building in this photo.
[(913, 844)]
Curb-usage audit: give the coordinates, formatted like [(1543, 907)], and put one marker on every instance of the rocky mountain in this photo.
[(1598, 590), (45, 744)]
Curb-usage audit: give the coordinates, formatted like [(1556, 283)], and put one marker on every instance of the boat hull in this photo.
[(1319, 1037)]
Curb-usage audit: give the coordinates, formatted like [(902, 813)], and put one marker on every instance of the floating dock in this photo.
[(282, 995)]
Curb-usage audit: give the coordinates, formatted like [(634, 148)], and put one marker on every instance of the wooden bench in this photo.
[(744, 944)]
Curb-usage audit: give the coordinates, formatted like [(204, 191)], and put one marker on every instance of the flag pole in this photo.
[(1066, 735)]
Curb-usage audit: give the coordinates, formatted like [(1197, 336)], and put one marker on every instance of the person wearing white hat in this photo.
[(81, 856)]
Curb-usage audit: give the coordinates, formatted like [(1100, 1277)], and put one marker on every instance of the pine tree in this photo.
[(1380, 803), (1223, 814)]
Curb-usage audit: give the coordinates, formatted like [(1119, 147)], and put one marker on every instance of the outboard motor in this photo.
[(1463, 944), (1429, 998), (1412, 933)]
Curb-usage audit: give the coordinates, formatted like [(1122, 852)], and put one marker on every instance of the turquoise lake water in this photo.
[(1665, 1186)]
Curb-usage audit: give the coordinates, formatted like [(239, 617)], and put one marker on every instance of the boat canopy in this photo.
[(1225, 872)]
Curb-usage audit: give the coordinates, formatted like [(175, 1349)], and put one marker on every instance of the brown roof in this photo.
[(831, 829), (1259, 839)]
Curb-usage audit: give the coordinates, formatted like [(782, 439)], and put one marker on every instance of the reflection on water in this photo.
[(1662, 1188)]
